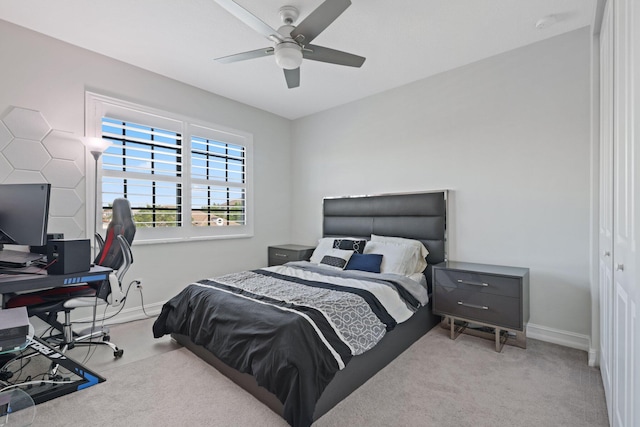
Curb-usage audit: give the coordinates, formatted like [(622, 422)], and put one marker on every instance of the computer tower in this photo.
[(68, 256)]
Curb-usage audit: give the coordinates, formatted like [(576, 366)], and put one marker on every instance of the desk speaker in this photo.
[(70, 256)]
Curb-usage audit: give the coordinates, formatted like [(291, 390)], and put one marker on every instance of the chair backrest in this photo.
[(121, 225)]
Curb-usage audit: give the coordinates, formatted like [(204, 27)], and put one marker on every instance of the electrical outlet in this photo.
[(138, 284)]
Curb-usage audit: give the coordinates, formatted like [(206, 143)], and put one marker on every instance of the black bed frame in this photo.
[(419, 216)]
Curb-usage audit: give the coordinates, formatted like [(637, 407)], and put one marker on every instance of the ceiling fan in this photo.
[(293, 43)]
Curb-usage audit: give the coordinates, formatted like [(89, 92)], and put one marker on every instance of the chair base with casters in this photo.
[(89, 336), (47, 304)]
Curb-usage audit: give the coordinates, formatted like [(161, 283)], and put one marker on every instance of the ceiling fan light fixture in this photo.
[(288, 55)]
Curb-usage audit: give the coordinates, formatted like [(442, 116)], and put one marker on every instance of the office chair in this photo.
[(115, 253)]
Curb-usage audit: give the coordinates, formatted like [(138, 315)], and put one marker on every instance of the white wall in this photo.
[(46, 75), (508, 135)]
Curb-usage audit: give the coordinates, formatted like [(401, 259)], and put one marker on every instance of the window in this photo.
[(183, 180)]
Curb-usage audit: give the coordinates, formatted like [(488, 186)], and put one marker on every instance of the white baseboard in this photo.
[(594, 357), (131, 314), (560, 337), (126, 315)]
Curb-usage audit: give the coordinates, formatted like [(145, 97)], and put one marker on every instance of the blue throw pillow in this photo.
[(365, 262)]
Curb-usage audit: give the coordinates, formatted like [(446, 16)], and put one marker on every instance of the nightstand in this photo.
[(493, 297), (280, 254)]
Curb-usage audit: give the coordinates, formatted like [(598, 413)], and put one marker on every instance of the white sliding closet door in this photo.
[(624, 221), (619, 191), (606, 204)]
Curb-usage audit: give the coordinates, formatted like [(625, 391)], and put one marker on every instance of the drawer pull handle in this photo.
[(281, 255), (480, 307), (466, 282)]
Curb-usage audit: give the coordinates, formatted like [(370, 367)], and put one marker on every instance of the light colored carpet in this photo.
[(436, 382)]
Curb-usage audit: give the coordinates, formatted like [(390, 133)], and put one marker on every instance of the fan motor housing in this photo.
[(288, 55)]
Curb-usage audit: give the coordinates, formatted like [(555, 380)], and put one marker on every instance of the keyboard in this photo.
[(17, 259)]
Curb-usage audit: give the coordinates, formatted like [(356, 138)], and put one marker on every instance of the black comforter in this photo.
[(291, 348)]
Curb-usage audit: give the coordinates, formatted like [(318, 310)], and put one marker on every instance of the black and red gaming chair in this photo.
[(115, 253)]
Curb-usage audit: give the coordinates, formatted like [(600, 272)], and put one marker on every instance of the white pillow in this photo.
[(324, 245), (336, 258), (396, 259), (421, 255)]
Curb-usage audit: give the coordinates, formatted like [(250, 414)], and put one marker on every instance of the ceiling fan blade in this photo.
[(292, 77), (258, 53), (318, 20), (250, 19), (324, 54)]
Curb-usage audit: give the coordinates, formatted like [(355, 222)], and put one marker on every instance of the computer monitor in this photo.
[(24, 214)]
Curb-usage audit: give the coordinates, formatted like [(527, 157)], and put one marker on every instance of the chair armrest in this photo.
[(99, 241), (127, 257), (117, 294)]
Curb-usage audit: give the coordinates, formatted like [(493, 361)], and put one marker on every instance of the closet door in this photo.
[(619, 255), (625, 222), (634, 254), (606, 204)]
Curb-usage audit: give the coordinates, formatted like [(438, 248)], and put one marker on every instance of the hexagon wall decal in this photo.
[(31, 152), (5, 168), (64, 145), (18, 176), (66, 225), (64, 202), (80, 218), (5, 136), (26, 154), (62, 173), (27, 124)]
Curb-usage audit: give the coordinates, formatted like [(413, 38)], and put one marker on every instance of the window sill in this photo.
[(164, 240)]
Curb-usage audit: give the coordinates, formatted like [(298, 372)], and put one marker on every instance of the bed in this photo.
[(301, 356)]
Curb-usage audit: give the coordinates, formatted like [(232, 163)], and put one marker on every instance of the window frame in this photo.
[(98, 106)]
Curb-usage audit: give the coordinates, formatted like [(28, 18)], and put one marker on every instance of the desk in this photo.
[(26, 279), (23, 280)]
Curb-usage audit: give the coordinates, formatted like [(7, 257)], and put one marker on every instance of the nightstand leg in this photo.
[(456, 331), (452, 325), (501, 339), (521, 339)]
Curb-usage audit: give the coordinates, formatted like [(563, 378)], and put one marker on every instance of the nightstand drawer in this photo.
[(281, 255), (285, 253), (479, 282), (488, 308)]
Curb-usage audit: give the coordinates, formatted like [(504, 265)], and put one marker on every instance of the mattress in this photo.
[(292, 327)]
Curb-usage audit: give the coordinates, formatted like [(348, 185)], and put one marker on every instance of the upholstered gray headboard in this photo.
[(419, 216)]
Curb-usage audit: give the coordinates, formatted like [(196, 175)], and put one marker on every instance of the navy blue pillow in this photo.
[(365, 262)]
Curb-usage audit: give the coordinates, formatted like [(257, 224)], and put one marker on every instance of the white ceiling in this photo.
[(403, 41)]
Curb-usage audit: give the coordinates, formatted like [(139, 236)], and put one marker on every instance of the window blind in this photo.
[(222, 164), (185, 179), (146, 165), (143, 164)]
